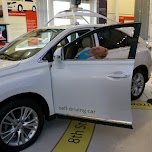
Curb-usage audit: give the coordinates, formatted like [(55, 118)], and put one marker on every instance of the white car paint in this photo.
[(8, 64), (88, 89), (26, 77)]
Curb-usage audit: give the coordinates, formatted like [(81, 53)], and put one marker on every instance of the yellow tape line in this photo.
[(76, 138), (141, 105)]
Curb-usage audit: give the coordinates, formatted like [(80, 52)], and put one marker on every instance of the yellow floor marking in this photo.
[(141, 105), (76, 138)]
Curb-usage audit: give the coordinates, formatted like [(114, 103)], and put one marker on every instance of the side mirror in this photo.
[(58, 58)]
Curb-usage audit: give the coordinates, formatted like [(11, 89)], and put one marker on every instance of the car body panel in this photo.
[(28, 77), (83, 88), (4, 64)]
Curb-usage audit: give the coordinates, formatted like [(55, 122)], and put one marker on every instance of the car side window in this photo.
[(114, 38), (68, 39), (80, 49), (71, 37)]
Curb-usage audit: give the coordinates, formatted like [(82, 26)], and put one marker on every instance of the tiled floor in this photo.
[(147, 92), (105, 138)]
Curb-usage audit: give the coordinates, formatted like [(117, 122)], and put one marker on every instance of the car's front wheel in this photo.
[(20, 8), (138, 84), (33, 8), (21, 122)]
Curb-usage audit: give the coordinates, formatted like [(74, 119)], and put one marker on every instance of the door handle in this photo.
[(118, 74)]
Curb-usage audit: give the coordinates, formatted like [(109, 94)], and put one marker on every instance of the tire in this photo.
[(34, 9), (138, 83), (20, 8), (16, 132)]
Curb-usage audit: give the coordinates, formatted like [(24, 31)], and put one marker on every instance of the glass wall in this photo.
[(48, 8)]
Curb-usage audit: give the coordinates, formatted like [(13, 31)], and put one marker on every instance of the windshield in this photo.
[(29, 44)]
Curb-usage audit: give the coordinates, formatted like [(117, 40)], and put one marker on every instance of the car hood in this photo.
[(5, 64)]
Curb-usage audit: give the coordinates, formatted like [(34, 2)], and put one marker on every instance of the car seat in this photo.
[(86, 43), (64, 42), (73, 50)]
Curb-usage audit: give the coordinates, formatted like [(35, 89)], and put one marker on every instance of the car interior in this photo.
[(74, 49)]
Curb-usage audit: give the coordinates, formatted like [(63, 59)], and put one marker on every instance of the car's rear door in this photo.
[(98, 89)]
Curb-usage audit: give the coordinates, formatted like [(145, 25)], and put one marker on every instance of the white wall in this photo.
[(5, 11), (18, 27), (126, 8)]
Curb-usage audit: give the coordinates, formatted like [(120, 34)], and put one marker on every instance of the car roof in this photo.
[(76, 27), (73, 26)]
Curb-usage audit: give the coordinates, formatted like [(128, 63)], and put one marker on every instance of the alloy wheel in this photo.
[(137, 84), (19, 126)]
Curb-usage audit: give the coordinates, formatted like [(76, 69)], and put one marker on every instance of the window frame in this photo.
[(114, 40)]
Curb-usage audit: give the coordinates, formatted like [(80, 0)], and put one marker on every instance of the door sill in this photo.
[(114, 123)]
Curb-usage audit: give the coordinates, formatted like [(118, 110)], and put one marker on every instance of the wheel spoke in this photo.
[(14, 118), (11, 138), (7, 123), (22, 138), (25, 135), (30, 128), (29, 122), (135, 91), (8, 133), (24, 112), (18, 137), (8, 118), (140, 84), (28, 114)]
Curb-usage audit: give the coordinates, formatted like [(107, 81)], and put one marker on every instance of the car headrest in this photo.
[(64, 42), (86, 42)]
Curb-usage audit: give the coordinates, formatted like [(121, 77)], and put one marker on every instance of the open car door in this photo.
[(94, 88)]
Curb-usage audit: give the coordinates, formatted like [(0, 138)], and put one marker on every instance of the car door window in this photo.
[(116, 41), (113, 44), (114, 38)]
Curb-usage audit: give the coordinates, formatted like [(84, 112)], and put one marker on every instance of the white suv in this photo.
[(41, 78), (21, 5)]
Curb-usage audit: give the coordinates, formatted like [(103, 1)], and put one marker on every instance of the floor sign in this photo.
[(76, 138)]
